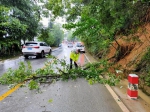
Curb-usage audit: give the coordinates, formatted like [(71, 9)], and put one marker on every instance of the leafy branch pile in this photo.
[(56, 70)]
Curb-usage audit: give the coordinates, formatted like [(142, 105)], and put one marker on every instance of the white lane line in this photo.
[(114, 95)]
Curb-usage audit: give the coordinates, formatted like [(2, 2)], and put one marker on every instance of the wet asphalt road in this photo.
[(71, 96), (35, 62)]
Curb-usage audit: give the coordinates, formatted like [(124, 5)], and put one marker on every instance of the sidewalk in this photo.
[(142, 104)]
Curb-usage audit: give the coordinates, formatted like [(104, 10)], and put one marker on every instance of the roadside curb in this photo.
[(54, 49), (114, 95), (1, 61)]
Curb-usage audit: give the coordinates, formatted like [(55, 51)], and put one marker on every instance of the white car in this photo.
[(80, 46), (70, 44), (38, 49)]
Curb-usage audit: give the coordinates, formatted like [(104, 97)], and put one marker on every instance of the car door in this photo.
[(46, 47)]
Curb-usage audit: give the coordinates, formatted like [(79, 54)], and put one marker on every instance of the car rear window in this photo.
[(31, 44)]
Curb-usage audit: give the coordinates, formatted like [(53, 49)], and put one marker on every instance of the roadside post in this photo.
[(132, 91)]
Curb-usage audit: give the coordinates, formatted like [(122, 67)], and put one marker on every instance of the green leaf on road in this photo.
[(50, 100)]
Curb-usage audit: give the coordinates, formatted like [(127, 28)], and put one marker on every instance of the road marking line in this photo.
[(114, 95), (87, 58), (117, 99), (2, 97)]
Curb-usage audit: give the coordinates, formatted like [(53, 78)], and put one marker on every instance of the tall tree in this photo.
[(10, 27), (58, 34), (27, 12), (53, 35)]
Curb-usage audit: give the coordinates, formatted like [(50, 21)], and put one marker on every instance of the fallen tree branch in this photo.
[(38, 77)]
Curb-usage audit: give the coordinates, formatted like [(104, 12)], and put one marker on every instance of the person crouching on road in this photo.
[(74, 56)]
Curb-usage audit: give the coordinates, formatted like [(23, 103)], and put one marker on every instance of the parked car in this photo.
[(38, 49), (70, 44), (80, 46), (60, 45)]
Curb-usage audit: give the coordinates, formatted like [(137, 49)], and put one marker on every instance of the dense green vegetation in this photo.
[(53, 35), (95, 21), (99, 21), (20, 22)]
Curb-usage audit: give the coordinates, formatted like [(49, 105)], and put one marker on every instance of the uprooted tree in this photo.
[(56, 70)]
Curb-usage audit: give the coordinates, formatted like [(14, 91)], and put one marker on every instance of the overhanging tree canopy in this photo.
[(98, 21), (23, 18)]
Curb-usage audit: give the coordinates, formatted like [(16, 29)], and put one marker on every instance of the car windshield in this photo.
[(30, 44), (79, 45)]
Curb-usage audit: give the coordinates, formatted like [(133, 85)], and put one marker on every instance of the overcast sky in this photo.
[(58, 20)]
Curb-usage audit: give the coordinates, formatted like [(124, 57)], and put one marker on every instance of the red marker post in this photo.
[(132, 91)]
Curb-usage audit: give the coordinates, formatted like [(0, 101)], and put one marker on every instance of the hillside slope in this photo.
[(129, 58), (133, 48)]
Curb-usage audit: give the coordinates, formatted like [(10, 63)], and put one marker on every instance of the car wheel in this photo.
[(42, 54), (26, 57), (50, 51)]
